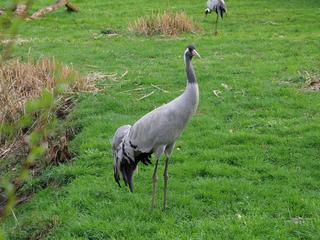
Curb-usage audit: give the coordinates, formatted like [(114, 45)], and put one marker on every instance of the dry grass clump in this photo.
[(33, 96), (167, 24), (312, 81), (20, 82)]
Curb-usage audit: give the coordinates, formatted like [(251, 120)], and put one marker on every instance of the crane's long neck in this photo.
[(189, 70), (191, 94)]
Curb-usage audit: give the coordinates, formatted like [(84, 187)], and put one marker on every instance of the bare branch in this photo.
[(60, 3), (70, 7)]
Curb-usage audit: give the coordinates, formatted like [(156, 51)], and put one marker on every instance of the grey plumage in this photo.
[(117, 150), (219, 7), (156, 132)]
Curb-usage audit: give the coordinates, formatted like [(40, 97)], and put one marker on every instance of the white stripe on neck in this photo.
[(184, 56)]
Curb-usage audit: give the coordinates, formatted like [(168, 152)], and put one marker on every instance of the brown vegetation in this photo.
[(22, 84), (166, 24), (21, 9), (23, 81), (45, 87), (60, 3), (312, 81)]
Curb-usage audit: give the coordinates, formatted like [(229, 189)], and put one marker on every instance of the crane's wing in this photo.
[(160, 127), (119, 135)]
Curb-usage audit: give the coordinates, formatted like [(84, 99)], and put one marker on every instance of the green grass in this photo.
[(246, 167)]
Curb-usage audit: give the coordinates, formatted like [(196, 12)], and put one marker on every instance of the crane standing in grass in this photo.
[(219, 7), (156, 132)]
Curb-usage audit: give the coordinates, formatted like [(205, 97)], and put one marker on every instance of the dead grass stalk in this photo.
[(312, 81), (20, 82), (166, 23)]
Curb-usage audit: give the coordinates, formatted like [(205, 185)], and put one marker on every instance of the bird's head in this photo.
[(207, 11), (190, 52)]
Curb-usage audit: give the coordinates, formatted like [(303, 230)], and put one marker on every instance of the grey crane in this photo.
[(156, 132), (219, 7)]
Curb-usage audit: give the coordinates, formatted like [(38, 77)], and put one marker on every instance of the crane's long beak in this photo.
[(195, 53)]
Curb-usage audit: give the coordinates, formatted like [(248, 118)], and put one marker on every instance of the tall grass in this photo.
[(32, 96), (166, 23), (23, 81)]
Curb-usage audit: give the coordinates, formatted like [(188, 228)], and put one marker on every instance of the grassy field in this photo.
[(247, 166)]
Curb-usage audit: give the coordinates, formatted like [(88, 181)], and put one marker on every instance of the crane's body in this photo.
[(219, 7), (156, 132), (164, 125)]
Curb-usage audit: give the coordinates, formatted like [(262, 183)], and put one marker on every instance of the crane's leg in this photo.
[(154, 184), (216, 28), (158, 154), (167, 152), (166, 178)]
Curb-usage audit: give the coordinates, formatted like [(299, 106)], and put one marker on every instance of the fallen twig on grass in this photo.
[(226, 87), (60, 3), (157, 87), (21, 10), (124, 74), (145, 96), (135, 89), (14, 216), (71, 8), (216, 93)]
